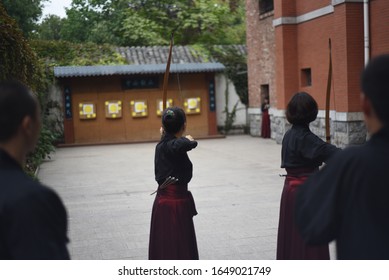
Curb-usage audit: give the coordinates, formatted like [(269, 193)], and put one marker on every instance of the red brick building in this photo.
[(358, 30)]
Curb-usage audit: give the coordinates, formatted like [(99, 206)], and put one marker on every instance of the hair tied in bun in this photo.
[(169, 114)]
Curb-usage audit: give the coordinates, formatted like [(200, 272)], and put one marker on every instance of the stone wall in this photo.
[(54, 110), (346, 128), (255, 121)]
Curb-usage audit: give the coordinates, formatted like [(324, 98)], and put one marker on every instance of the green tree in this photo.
[(194, 21), (149, 22), (138, 30), (79, 22), (25, 12), (50, 28), (236, 68)]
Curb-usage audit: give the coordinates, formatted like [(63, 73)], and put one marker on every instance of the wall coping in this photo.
[(338, 2), (313, 14)]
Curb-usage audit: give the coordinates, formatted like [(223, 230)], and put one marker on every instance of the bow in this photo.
[(166, 76), (328, 96)]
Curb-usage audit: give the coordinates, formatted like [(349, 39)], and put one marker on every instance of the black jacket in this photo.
[(171, 159), (33, 219), (349, 201)]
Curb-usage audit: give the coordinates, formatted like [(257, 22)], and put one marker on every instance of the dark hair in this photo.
[(173, 118), (16, 102), (301, 109), (375, 85)]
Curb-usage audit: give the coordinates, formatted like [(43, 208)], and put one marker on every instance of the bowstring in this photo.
[(179, 88)]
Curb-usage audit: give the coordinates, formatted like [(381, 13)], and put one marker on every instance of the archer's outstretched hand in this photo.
[(189, 137)]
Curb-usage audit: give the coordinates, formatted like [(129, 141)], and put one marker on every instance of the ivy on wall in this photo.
[(19, 62), (63, 53)]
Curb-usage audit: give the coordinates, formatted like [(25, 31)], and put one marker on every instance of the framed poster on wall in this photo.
[(169, 103), (192, 105), (139, 108), (113, 109), (87, 110)]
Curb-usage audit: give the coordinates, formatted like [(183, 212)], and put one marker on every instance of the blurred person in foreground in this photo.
[(348, 200), (33, 219)]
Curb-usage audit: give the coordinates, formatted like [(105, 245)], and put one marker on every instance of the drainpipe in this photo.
[(366, 30), (366, 39)]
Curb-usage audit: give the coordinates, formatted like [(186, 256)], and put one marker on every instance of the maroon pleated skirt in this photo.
[(265, 130), (290, 245), (172, 233)]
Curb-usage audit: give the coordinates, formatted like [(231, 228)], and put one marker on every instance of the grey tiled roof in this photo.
[(83, 71), (159, 54), (151, 60)]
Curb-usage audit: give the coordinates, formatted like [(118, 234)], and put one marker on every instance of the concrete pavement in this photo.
[(106, 189)]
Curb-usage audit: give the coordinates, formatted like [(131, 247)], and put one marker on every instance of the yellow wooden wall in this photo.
[(100, 89)]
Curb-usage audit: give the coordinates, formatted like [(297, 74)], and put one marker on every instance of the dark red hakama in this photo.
[(290, 245), (265, 129), (172, 233)]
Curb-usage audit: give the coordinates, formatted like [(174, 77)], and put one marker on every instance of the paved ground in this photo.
[(106, 189)]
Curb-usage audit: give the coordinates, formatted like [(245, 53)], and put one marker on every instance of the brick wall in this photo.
[(260, 43), (261, 53), (284, 8), (306, 6), (355, 55), (379, 27), (313, 53), (292, 8), (305, 46), (286, 63)]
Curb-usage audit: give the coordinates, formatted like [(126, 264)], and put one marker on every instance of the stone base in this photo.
[(343, 133), (346, 128), (255, 123), (278, 124)]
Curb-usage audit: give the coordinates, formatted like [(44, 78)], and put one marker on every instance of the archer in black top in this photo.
[(171, 158), (302, 153), (303, 149), (172, 233)]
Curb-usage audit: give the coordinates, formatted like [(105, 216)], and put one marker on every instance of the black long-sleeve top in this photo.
[(33, 219), (303, 149), (171, 159), (348, 200)]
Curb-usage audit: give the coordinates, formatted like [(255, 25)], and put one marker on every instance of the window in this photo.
[(264, 92), (306, 77), (265, 6)]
